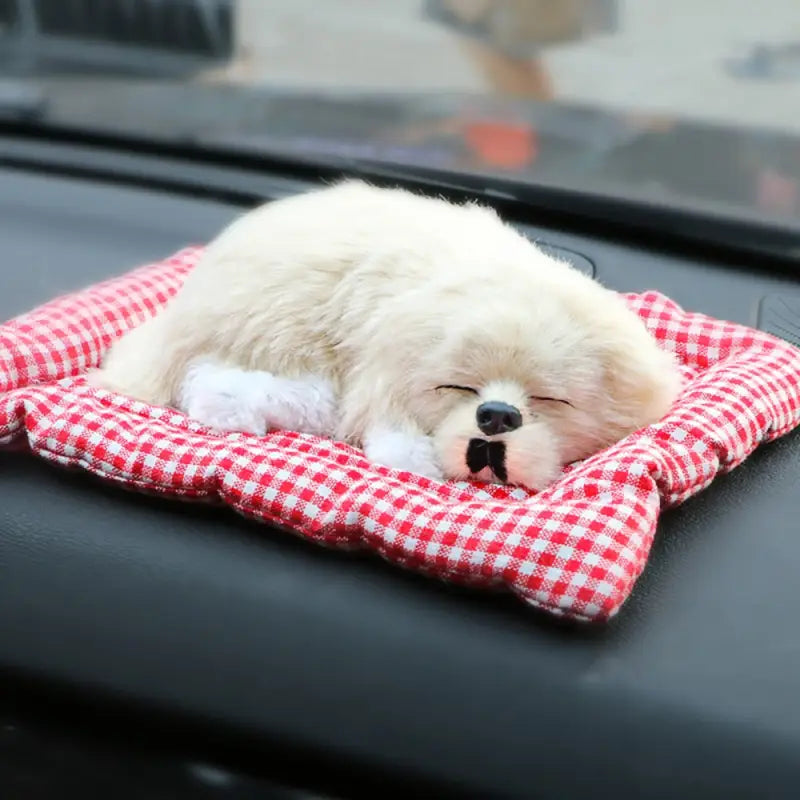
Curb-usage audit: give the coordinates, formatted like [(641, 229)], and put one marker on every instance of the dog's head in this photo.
[(495, 433), (512, 395)]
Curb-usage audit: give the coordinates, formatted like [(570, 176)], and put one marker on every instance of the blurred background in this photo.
[(687, 102)]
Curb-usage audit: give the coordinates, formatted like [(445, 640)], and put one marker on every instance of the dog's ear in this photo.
[(641, 380), (637, 381)]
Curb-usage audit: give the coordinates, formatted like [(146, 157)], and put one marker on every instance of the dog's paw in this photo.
[(306, 404), (403, 451), (215, 398), (254, 401)]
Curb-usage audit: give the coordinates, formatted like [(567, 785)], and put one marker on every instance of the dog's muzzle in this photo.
[(482, 453)]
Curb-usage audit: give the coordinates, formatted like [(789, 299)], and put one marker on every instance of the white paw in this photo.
[(403, 451), (225, 413), (307, 405), (216, 399), (253, 401)]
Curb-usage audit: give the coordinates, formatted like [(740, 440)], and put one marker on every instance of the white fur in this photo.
[(254, 401), (412, 452), (371, 299)]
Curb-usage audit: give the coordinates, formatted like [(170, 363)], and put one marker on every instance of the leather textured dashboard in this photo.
[(692, 691)]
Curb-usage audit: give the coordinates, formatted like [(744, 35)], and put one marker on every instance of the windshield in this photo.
[(688, 103)]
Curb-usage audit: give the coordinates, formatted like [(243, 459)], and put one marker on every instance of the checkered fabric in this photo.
[(575, 549)]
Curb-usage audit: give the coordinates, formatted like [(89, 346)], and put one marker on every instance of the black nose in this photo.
[(494, 417)]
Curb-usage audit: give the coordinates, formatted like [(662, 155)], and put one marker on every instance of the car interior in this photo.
[(153, 648)]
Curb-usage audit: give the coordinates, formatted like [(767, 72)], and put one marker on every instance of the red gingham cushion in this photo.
[(575, 549)]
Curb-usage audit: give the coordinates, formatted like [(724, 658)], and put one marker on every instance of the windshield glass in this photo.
[(689, 103)]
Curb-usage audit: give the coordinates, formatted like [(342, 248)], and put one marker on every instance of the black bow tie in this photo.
[(481, 453)]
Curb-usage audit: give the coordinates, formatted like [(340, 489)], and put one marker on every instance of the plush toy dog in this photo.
[(433, 335)]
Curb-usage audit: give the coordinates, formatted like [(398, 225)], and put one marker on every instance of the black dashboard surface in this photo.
[(692, 691)]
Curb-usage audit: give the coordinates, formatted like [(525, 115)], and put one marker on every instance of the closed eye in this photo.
[(536, 398), (457, 388)]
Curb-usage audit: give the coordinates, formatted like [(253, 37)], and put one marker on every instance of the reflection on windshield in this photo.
[(686, 102)]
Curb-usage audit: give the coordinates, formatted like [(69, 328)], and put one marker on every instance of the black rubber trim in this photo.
[(234, 187), (755, 244), (779, 315)]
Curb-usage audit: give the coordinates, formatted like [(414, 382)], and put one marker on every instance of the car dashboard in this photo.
[(153, 648)]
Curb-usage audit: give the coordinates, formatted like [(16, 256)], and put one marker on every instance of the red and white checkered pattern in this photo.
[(575, 549)]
